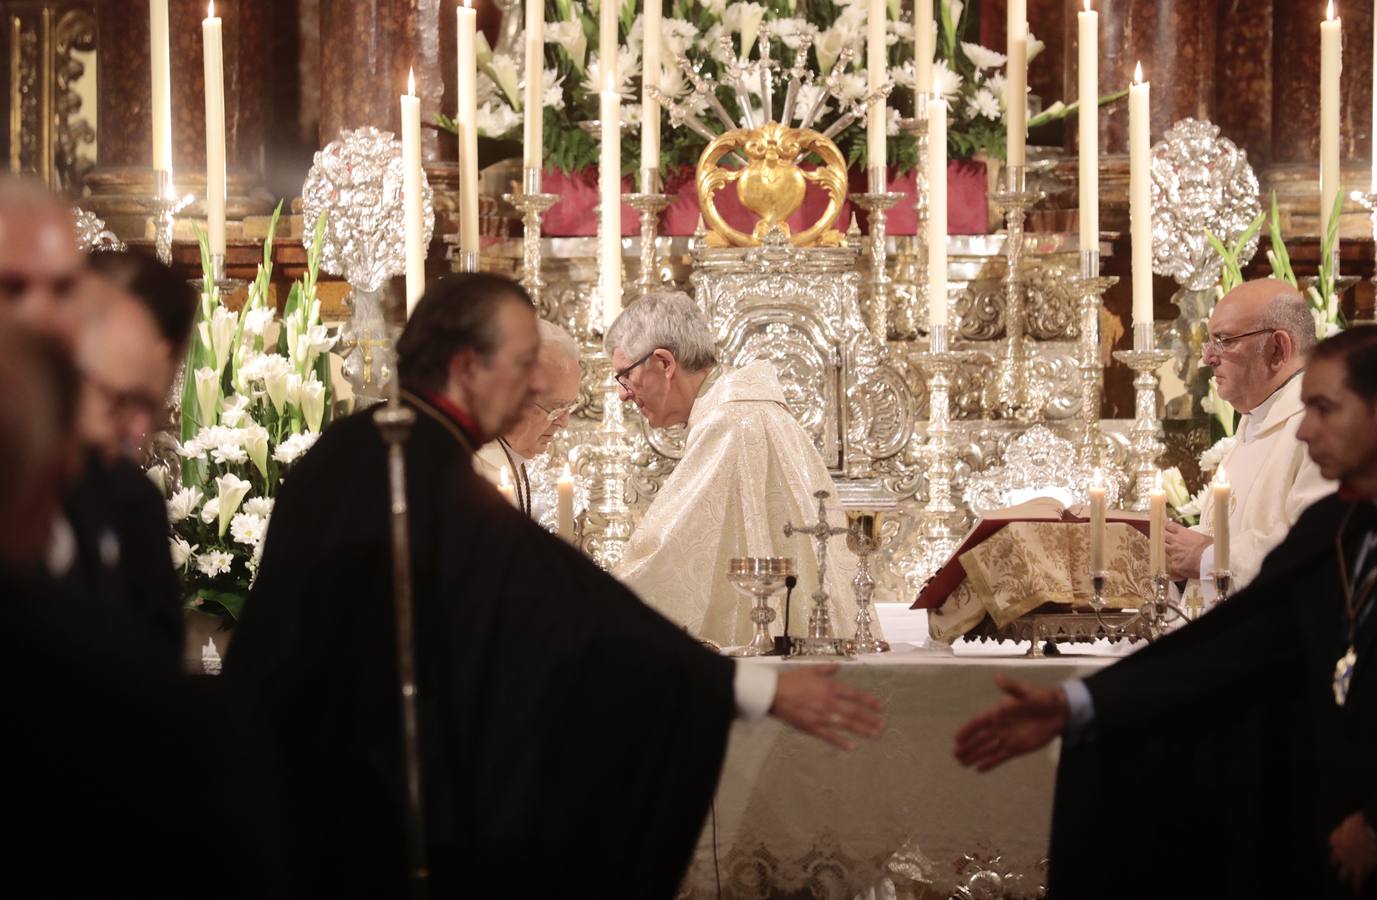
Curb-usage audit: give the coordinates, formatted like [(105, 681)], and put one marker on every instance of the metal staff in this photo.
[(395, 421)]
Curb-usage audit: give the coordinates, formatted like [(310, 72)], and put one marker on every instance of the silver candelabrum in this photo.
[(940, 514), (168, 206), (608, 526), (821, 639), (533, 205), (863, 539), (1146, 445), (908, 312), (649, 203), (1153, 616), (1090, 285), (1008, 394), (876, 202)]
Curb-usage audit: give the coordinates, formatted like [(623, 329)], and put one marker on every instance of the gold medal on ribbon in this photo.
[(1343, 675)]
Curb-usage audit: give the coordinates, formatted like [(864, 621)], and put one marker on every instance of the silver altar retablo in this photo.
[(760, 578)]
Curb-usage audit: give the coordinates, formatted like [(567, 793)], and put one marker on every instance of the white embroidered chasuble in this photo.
[(748, 468)]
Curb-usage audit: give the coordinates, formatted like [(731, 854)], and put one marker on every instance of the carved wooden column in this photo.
[(122, 183)]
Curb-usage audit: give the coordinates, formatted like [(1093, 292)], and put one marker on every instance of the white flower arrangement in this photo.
[(255, 401)]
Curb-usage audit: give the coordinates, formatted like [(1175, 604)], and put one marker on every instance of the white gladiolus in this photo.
[(275, 371), (230, 491), (294, 389), (256, 320), (313, 403), (208, 393), (222, 327), (254, 439), (183, 503)]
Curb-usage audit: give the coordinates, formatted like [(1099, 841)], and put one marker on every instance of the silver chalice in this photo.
[(760, 578), (863, 539)]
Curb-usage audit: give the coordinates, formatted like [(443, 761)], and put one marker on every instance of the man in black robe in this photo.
[(1236, 756), (571, 737)]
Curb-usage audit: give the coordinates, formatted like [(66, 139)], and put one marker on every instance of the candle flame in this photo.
[(211, 14), (1087, 6), (1138, 73), (1157, 482), (1097, 478), (468, 4), (568, 474), (1329, 11), (1221, 477), (411, 83)]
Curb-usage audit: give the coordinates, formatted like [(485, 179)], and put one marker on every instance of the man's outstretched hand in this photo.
[(815, 703), (1022, 722)]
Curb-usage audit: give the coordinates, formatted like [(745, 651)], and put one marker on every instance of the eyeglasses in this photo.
[(621, 374), (554, 413), (1217, 344)]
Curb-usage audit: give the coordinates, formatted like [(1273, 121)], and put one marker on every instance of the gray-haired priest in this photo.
[(748, 468)]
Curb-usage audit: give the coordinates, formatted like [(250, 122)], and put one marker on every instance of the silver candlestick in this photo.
[(533, 205), (608, 525), (940, 514), (1146, 445), (863, 539), (168, 206), (1090, 285), (821, 641), (910, 308), (649, 205), (1008, 394), (1223, 585), (877, 282)]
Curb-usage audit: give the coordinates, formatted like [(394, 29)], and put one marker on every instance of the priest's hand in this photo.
[(1183, 550), (815, 703), (1353, 851), (1020, 723)]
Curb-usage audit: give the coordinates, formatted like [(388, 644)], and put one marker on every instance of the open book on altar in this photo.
[(1017, 559)]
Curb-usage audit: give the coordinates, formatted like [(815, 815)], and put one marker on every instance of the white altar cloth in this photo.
[(795, 818)]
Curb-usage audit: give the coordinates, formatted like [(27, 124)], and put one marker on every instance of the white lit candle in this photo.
[(1088, 93), (1157, 528), (159, 56), (650, 110), (411, 195), (1096, 494), (610, 206), (1016, 100), (1221, 495), (565, 487), (532, 153), (1331, 67), (467, 122), (213, 55), (1374, 102), (937, 210), (608, 43), (924, 47), (1140, 194), (875, 70), (505, 488)]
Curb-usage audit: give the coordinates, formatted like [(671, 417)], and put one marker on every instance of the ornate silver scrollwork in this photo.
[(1200, 182)]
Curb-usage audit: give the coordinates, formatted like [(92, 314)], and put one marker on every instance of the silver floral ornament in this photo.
[(357, 182)]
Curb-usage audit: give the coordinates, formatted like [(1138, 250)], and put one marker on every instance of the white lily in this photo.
[(230, 491), (313, 402), (208, 394), (570, 37), (256, 320), (221, 335), (254, 439), (502, 69), (745, 19)]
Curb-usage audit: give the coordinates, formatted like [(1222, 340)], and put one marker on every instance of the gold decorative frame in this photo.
[(772, 184)]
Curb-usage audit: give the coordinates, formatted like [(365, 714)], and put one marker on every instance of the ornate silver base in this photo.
[(1090, 285), (1146, 443), (649, 206), (876, 286), (532, 206), (608, 526), (1223, 585), (940, 515)]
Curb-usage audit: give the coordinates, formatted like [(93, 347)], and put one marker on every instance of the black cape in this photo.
[(123, 578), (571, 735), (1218, 763)]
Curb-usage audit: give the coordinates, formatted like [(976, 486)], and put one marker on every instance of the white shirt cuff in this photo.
[(1207, 591), (1079, 705), (754, 687)]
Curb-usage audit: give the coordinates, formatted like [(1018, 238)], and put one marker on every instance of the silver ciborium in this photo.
[(760, 578), (863, 539)]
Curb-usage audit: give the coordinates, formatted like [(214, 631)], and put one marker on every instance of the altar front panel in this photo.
[(796, 818)]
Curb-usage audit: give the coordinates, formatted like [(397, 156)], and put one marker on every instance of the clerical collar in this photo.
[(452, 411), (1259, 413)]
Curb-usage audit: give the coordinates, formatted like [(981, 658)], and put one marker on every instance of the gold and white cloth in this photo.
[(748, 468)]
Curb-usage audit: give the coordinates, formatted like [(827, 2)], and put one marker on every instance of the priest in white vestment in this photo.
[(748, 468), (1259, 336)]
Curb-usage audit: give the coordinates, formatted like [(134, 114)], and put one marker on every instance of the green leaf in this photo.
[(1279, 258)]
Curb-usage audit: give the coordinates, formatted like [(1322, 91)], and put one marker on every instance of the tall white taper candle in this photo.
[(651, 46), (1140, 194), (1088, 93), (1016, 70), (937, 210), (213, 55), (1331, 67), (610, 205), (467, 122), (159, 56), (533, 135), (411, 194)]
